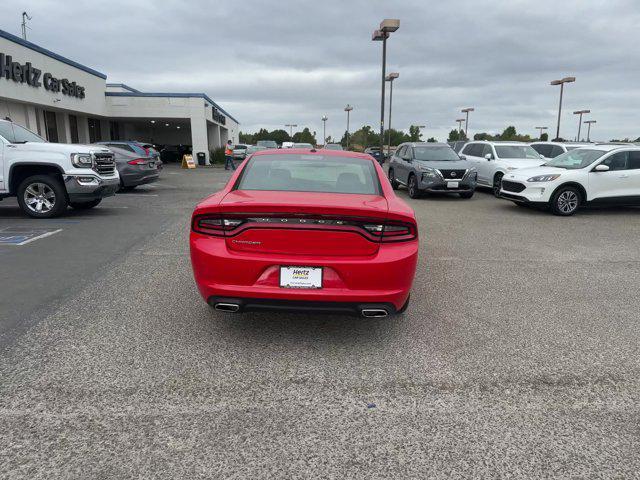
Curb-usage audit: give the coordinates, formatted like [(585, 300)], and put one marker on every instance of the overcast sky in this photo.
[(271, 63)]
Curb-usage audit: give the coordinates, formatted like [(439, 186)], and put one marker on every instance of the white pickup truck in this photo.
[(48, 177)]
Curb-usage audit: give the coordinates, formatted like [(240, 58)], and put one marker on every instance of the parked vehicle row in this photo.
[(582, 174), (48, 177)]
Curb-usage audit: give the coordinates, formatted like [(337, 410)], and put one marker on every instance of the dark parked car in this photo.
[(375, 153), (432, 168), (140, 148), (134, 169)]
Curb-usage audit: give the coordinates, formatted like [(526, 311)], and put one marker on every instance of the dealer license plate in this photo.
[(453, 184), (301, 277)]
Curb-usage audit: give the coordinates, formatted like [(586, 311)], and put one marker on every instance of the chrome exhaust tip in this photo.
[(374, 312), (227, 307)]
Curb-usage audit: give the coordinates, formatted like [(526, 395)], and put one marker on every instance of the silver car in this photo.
[(433, 168), (134, 169)]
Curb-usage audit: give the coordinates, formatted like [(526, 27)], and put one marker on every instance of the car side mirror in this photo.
[(463, 157), (601, 168), (489, 156)]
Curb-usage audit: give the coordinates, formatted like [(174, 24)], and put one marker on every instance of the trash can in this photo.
[(201, 158)]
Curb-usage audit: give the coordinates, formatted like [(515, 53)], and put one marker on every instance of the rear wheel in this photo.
[(42, 196), (466, 194), (414, 192), (497, 184), (566, 201), (85, 205), (392, 179)]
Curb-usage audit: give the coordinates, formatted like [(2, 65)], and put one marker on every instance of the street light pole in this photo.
[(580, 112), (460, 120), (541, 129), (561, 82), (387, 26), (466, 121), (390, 78), (589, 122), (348, 109), (291, 125), (324, 130)]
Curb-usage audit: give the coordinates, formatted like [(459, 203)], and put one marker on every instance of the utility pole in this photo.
[(466, 121), (348, 109), (387, 26), (324, 130), (25, 17), (580, 112), (541, 129), (291, 125), (589, 122), (390, 78), (561, 82)]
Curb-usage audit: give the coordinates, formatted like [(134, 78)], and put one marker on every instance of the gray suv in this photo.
[(432, 168)]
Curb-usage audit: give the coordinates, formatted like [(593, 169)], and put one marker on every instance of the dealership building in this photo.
[(64, 101)]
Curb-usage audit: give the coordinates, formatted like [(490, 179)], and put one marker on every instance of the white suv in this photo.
[(493, 160), (553, 149), (597, 174)]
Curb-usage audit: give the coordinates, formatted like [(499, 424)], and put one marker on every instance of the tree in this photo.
[(544, 137), (432, 140), (454, 135), (364, 137), (483, 136), (280, 136), (246, 138), (509, 133), (304, 137), (414, 133)]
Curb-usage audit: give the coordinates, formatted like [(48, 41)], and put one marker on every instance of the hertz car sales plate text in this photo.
[(301, 277)]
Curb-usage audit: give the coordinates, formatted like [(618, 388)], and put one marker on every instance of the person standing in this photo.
[(228, 156)]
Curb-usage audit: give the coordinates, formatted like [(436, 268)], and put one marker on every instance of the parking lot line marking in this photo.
[(138, 195), (44, 235)]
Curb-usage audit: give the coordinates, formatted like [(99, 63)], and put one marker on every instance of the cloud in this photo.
[(271, 63)]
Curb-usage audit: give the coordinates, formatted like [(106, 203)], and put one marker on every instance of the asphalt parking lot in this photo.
[(518, 357)]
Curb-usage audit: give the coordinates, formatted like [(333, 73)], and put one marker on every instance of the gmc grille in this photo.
[(452, 174), (104, 163), (512, 186)]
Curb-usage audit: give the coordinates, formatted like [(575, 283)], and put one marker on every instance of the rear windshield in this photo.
[(310, 173)]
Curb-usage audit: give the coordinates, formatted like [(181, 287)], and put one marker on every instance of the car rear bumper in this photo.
[(383, 278), (239, 305), (139, 178)]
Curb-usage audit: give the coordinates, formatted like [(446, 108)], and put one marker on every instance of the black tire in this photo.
[(47, 191), (412, 186), (565, 201), (466, 194), (497, 184), (392, 179), (404, 307), (84, 205)]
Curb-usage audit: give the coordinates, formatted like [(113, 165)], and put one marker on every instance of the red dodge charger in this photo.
[(305, 230)]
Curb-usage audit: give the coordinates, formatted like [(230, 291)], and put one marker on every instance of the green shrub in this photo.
[(216, 156)]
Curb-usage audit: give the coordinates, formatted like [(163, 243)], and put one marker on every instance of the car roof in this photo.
[(312, 151), (566, 144), (426, 144), (499, 142), (608, 147)]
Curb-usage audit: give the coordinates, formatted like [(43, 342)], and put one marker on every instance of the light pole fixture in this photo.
[(589, 122), (580, 112), (541, 129), (291, 125), (387, 26), (460, 120), (25, 17), (324, 129), (390, 78), (561, 82), (466, 121), (348, 109)]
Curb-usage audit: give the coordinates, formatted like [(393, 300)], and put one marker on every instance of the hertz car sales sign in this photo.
[(32, 76)]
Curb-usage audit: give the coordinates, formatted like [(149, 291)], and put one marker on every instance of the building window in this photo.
[(115, 130), (73, 126), (94, 130), (51, 126)]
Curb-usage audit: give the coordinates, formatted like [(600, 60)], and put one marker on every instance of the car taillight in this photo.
[(214, 225), (137, 161), (392, 232)]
